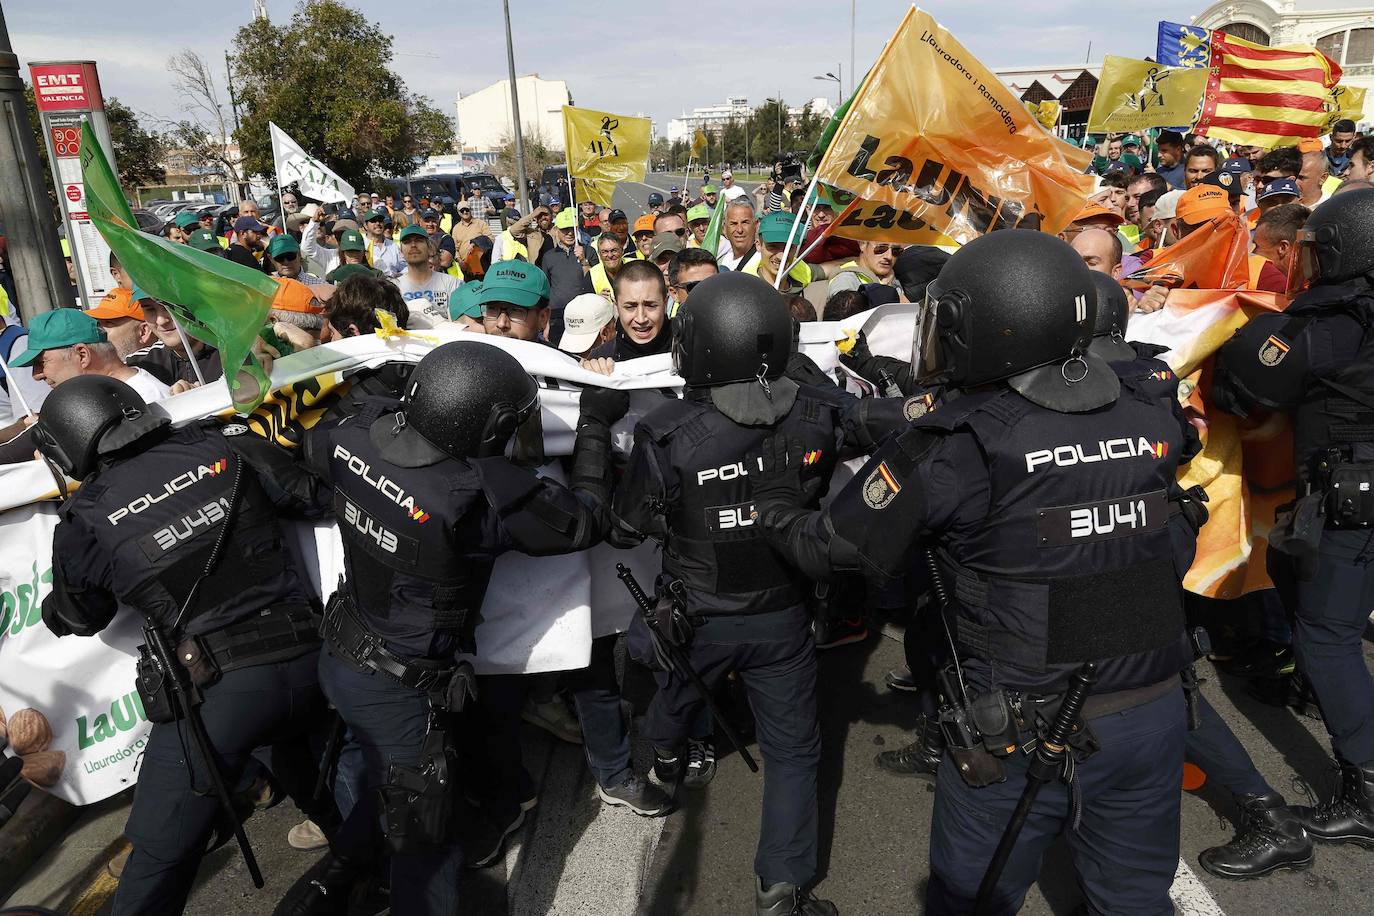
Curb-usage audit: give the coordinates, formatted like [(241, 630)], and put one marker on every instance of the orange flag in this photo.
[(1213, 256), (950, 151)]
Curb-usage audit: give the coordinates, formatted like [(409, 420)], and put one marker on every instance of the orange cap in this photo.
[(1310, 145), (645, 223), (118, 303), (295, 296), (1094, 210), (1201, 203)]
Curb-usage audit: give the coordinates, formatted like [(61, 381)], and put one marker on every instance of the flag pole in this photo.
[(190, 354), (686, 173), (276, 172), (15, 388), (777, 281)]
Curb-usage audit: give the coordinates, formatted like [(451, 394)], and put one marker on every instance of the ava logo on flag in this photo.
[(1194, 48)]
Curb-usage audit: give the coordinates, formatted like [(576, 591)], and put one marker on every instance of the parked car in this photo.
[(451, 185)]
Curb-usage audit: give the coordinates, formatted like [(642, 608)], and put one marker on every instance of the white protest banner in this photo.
[(296, 166), (540, 613)]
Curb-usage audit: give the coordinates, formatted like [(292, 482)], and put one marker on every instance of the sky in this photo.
[(631, 58)]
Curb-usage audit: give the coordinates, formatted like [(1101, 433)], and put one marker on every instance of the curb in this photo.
[(41, 820)]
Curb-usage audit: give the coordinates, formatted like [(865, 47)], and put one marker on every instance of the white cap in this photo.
[(727, 174), (583, 319), (1167, 205)]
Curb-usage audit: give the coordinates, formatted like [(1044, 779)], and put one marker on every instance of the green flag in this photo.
[(712, 240), (215, 300)]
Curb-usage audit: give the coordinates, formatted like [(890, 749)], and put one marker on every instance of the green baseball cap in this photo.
[(352, 240), (708, 189), (700, 211), (340, 274), (776, 226), (57, 329), (465, 301), (186, 219), (283, 244), (203, 240), (411, 232), (517, 282), (378, 213)]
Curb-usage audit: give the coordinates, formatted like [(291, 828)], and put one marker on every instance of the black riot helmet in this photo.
[(1015, 305), (465, 399), (90, 416), (734, 328), (1109, 329), (1337, 243)]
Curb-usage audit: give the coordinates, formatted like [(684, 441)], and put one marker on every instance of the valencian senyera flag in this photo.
[(939, 140), (1255, 94), (295, 166), (215, 300), (605, 147), (1133, 95)]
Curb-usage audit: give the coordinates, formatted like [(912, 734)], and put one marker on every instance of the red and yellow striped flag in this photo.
[(1265, 96)]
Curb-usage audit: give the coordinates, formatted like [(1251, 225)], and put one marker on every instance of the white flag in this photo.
[(295, 165)]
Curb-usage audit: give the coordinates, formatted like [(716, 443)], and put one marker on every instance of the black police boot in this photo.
[(323, 890), (783, 899), (1349, 816), (919, 758), (1269, 836)]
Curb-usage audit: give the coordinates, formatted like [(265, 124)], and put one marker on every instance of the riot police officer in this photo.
[(1315, 362), (425, 501), (689, 485), (1269, 835), (1046, 482), (175, 524)]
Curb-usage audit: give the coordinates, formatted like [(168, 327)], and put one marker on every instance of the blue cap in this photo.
[(655, 199), (1236, 165), (1280, 186), (248, 224)]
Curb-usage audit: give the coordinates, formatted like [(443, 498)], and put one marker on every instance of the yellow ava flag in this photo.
[(1345, 102), (598, 192), (941, 140), (1046, 112), (1135, 94), (604, 147), (699, 142)]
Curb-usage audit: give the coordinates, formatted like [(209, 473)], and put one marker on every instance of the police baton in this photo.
[(1044, 766), (679, 663), (181, 696)]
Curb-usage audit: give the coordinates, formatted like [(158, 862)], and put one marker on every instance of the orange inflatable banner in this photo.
[(1212, 256), (939, 138)]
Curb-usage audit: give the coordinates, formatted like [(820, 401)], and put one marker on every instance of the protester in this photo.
[(64, 344), (122, 321), (382, 253), (589, 321), (1276, 244), (740, 233), (1171, 167), (564, 262), (515, 301), (643, 237), (285, 253), (873, 265), (468, 228), (1100, 250), (642, 324), (249, 247), (610, 256), (1312, 178), (729, 190), (352, 310), (1338, 150), (1278, 192), (167, 359), (425, 290), (1361, 164)]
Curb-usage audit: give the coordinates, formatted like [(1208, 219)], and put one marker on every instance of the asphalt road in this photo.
[(575, 856)]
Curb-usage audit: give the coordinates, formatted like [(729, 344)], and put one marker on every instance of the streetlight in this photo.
[(839, 85)]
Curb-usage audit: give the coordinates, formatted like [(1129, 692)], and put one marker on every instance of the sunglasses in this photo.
[(285, 258), (679, 232), (687, 287), (884, 249)]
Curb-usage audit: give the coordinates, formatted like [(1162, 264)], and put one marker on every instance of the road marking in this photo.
[(99, 888), (1190, 896)]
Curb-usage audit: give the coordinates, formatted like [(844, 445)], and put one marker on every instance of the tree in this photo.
[(206, 136), (138, 152), (539, 154), (325, 78)]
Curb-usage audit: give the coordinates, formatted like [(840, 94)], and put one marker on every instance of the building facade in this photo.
[(735, 110), (484, 117), (1072, 86), (1340, 29)]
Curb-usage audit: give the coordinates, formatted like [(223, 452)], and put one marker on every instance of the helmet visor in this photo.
[(928, 352), (1306, 271)]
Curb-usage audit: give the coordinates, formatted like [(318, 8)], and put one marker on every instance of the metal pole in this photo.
[(853, 74), (40, 278), (522, 180), (839, 83)]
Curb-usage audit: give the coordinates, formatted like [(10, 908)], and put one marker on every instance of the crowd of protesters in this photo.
[(603, 285)]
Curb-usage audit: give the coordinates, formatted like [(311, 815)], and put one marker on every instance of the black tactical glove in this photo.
[(775, 472), (603, 405), (859, 354)]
